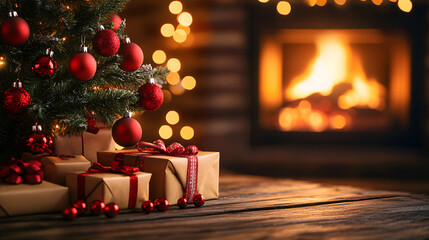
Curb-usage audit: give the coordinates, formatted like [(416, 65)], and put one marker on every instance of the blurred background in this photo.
[(327, 90)]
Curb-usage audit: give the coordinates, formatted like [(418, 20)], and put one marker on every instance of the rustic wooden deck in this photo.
[(251, 208)]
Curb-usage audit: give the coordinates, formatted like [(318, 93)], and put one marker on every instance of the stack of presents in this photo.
[(46, 183)]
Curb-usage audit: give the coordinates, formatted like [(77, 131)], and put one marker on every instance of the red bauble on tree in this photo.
[(83, 65), (106, 42), (116, 20), (151, 96), (44, 66), (16, 100), (111, 210), (38, 142), (132, 56), (14, 30), (127, 131)]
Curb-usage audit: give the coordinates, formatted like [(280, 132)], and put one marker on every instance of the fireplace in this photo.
[(342, 76)]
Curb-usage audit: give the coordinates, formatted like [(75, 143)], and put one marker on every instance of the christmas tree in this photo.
[(89, 76)]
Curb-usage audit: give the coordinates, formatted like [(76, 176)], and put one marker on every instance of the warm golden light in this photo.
[(173, 78), (179, 36), (175, 7), (167, 96), (189, 82), (118, 147), (165, 132), (185, 19), (187, 29), (377, 2), (263, 1), (311, 3), (187, 133), (177, 89), (167, 30), (283, 7), (172, 117), (337, 122), (340, 2), (405, 5), (57, 126), (173, 64), (159, 57), (64, 39), (321, 3), (2, 61)]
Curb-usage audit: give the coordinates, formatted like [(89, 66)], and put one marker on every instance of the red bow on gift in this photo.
[(18, 172), (126, 170), (175, 149)]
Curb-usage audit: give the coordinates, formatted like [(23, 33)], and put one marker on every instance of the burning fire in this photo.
[(336, 78)]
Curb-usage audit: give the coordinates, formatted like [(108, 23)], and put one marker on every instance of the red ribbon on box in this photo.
[(175, 149), (97, 168), (19, 171)]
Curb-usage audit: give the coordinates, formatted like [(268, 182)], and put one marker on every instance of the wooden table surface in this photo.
[(251, 207)]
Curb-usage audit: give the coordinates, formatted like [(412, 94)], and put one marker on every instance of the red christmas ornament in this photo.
[(106, 43), (111, 210), (151, 96), (14, 30), (97, 207), (38, 142), (69, 213), (45, 66), (161, 204), (80, 206), (182, 202), (83, 65), (116, 20), (127, 131), (16, 100), (132, 56), (147, 206), (198, 200)]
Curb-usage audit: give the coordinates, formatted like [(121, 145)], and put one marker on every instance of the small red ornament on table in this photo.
[(132, 56), (127, 131), (70, 213), (83, 65), (182, 202), (151, 96), (161, 204), (14, 31), (44, 67), (106, 42), (80, 206), (111, 210), (147, 206), (116, 20), (97, 207), (198, 200), (16, 100)]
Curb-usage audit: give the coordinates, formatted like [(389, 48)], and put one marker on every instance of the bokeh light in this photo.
[(173, 78), (377, 2), (179, 35), (167, 30), (172, 117), (165, 132), (187, 29), (159, 56), (167, 96), (173, 64), (405, 5), (187, 132), (189, 82), (177, 89), (283, 7), (175, 7), (263, 1), (340, 2), (321, 3), (185, 19)]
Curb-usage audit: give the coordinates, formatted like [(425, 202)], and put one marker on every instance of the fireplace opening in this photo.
[(340, 76), (316, 80)]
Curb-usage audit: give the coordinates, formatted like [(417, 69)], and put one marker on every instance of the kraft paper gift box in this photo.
[(55, 168), (169, 173), (24, 198), (87, 145), (109, 188)]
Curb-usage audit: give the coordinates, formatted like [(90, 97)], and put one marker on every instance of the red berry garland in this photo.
[(132, 56), (83, 65), (127, 131), (151, 96), (16, 100), (44, 66), (106, 42), (14, 30)]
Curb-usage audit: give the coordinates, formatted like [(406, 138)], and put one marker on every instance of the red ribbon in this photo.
[(19, 171), (175, 149), (51, 154), (97, 168)]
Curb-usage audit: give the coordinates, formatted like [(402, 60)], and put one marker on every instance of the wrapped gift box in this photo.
[(108, 187), (29, 199), (55, 168), (169, 173), (92, 143)]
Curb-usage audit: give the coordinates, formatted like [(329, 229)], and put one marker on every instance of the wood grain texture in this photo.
[(251, 207)]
